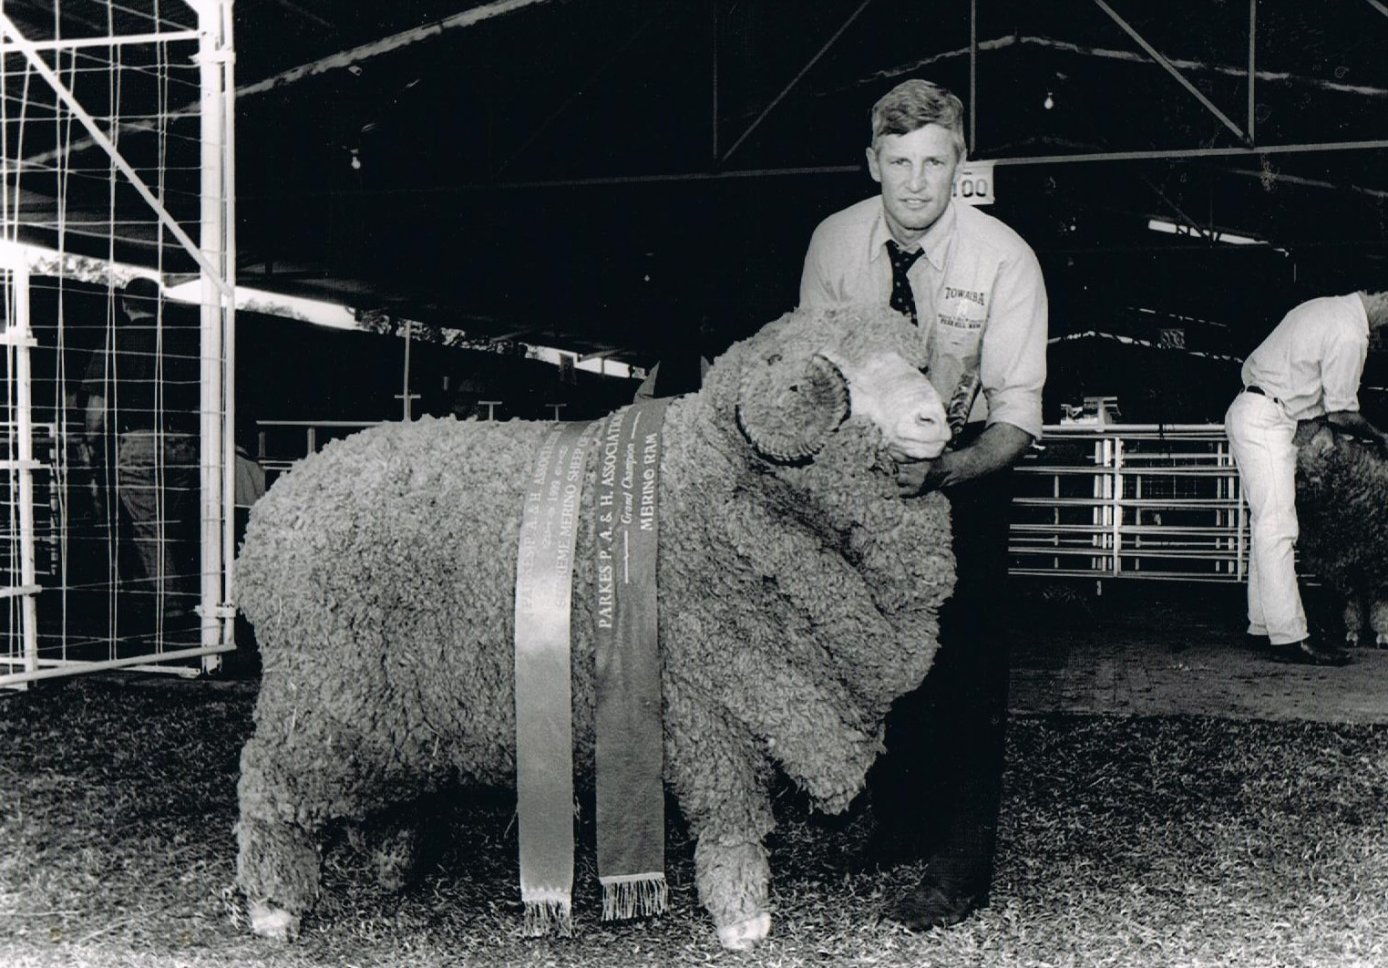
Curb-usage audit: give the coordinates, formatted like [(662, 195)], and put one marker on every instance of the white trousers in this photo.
[(1260, 436)]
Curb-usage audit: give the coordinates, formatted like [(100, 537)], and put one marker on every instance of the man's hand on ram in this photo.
[(917, 477)]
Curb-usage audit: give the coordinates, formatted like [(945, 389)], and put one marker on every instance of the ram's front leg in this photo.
[(721, 779), (812, 727)]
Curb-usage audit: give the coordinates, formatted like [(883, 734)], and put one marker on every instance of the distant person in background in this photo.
[(248, 487), (1309, 366), (142, 408), (974, 288)]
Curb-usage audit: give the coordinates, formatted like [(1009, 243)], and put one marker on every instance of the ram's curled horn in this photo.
[(787, 410)]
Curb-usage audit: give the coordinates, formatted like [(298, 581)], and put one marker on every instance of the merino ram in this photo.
[(798, 597), (1342, 510)]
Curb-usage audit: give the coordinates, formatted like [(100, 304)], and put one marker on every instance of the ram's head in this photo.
[(808, 372)]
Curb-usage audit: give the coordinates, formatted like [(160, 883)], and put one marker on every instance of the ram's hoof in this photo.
[(273, 922), (745, 935), (1381, 640)]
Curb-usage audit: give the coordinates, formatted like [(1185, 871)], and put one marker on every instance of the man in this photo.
[(974, 288), (1310, 365), (142, 388)]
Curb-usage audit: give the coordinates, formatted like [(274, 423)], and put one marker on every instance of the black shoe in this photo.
[(932, 904), (1308, 652), (891, 845), (1256, 643)]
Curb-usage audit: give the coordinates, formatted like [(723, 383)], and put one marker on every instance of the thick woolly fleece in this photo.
[(1342, 510), (795, 603)]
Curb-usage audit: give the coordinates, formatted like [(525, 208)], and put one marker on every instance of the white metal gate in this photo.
[(117, 154), (1154, 501)]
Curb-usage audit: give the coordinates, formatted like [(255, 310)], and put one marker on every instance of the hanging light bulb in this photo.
[(1049, 102)]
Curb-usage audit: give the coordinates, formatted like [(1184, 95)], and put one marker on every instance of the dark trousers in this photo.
[(937, 790), (158, 480)]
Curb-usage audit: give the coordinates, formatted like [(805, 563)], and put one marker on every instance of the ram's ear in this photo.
[(787, 411)]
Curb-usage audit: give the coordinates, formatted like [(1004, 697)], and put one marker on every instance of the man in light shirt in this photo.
[(974, 289), (1309, 366)]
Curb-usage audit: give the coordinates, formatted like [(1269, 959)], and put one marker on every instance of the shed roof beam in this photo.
[(346, 58), (1170, 154), (577, 92), (1108, 53), (12, 34), (343, 59), (1171, 69), (796, 79)]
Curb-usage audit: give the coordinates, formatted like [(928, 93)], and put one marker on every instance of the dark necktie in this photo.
[(903, 299)]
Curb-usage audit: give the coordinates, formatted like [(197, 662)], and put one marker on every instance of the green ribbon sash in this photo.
[(630, 795), (629, 731)]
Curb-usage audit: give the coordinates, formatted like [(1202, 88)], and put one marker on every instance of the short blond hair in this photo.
[(912, 105)]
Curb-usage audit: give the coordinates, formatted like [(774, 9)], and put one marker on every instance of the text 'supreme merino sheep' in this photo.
[(798, 597), (1342, 510)]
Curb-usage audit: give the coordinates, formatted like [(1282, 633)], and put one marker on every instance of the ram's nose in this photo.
[(922, 431)]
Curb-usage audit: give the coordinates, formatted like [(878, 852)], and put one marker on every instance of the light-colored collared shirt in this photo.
[(979, 296), (1314, 359)]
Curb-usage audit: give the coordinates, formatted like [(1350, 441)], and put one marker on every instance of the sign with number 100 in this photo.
[(973, 183)]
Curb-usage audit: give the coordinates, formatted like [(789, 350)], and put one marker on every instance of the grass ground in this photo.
[(1176, 841)]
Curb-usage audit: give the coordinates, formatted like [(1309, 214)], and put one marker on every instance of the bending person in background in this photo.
[(974, 288), (1310, 365), (142, 402)]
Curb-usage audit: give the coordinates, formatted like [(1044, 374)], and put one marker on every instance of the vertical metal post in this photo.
[(973, 77), (1252, 65), (24, 451), (1117, 506), (1099, 515), (714, 57), (405, 391), (228, 98), (212, 57)]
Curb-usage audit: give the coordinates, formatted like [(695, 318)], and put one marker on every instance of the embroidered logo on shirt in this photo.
[(972, 295), (965, 310)]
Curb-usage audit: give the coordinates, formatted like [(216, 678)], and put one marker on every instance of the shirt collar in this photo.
[(934, 243)]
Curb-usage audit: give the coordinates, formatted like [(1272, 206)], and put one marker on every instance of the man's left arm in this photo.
[(1012, 367), (1000, 445)]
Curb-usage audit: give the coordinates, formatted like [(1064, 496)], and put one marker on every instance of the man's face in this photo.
[(916, 172)]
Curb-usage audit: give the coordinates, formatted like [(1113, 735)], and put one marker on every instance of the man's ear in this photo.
[(874, 169)]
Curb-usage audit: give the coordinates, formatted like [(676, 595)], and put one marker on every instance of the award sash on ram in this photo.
[(544, 711), (630, 737)]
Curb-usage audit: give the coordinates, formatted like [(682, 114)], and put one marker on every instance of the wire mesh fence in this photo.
[(115, 131)]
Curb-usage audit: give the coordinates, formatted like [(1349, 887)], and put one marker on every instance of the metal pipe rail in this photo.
[(1146, 501)]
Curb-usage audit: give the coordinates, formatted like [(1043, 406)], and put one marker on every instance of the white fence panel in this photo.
[(1130, 501)]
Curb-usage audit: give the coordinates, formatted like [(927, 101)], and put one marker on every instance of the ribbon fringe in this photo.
[(642, 895), (549, 917)]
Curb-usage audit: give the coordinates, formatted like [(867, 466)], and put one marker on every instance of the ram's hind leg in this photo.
[(278, 861), (277, 867), (721, 780)]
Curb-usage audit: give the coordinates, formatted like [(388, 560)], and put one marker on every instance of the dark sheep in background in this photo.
[(1342, 509)]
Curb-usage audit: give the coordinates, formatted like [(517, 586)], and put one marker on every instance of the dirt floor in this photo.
[(1156, 649)]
